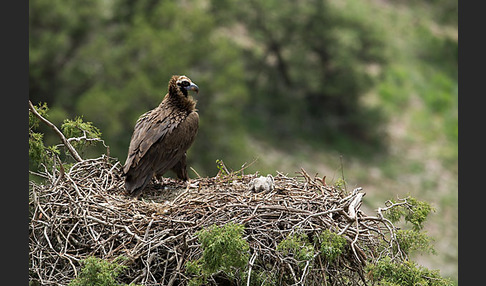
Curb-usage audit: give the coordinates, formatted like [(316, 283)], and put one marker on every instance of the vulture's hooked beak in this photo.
[(193, 87)]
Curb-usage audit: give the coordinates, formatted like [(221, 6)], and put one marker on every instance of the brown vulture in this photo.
[(162, 136)]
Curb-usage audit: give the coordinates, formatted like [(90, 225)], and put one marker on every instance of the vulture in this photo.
[(162, 136)]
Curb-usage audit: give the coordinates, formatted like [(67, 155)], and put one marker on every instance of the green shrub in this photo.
[(98, 272), (412, 240), (387, 272), (85, 134), (332, 245), (298, 246), (77, 128), (261, 278), (38, 152), (224, 250), (414, 212)]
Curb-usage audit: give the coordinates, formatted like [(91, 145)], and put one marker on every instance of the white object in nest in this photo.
[(262, 184)]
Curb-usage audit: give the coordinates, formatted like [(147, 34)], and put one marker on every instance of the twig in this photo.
[(304, 272), (250, 266), (178, 269), (354, 205), (195, 172), (342, 170)]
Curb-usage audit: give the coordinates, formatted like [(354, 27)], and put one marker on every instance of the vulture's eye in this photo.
[(184, 83)]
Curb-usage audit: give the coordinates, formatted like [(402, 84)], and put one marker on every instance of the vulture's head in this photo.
[(181, 85)]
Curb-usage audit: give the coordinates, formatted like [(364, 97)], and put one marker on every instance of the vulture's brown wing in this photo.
[(173, 147), (150, 127)]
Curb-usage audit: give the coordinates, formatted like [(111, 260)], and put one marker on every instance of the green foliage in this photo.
[(388, 272), (58, 33), (98, 272), (84, 134), (418, 213), (224, 250), (413, 240), (38, 152), (221, 167), (414, 212), (78, 128), (422, 78), (36, 146), (386, 283), (332, 245), (261, 278), (409, 241), (42, 109), (298, 246), (340, 184), (115, 78), (307, 66), (112, 84), (85, 131)]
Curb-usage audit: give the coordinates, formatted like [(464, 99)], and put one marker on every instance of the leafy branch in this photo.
[(68, 145)]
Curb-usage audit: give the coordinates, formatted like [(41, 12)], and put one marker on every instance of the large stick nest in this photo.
[(85, 212)]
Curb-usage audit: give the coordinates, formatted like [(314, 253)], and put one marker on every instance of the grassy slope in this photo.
[(421, 102)]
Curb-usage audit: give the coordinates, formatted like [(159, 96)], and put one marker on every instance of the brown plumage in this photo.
[(162, 136)]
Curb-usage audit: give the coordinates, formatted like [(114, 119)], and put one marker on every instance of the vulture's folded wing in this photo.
[(150, 128)]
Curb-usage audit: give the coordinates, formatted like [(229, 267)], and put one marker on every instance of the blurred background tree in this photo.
[(367, 89), (308, 64)]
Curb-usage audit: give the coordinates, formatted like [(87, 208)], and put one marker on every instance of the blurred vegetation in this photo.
[(288, 82), (273, 69), (307, 64)]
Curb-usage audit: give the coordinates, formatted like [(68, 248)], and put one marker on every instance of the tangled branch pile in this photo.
[(84, 212)]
